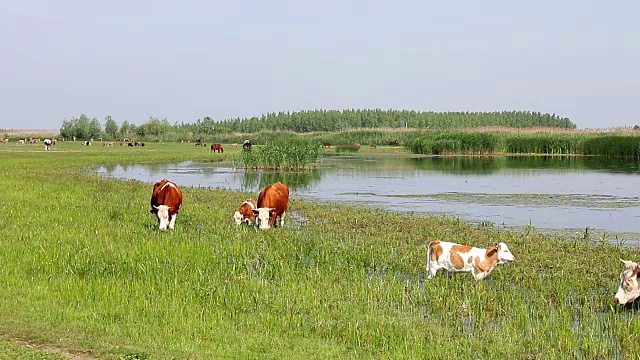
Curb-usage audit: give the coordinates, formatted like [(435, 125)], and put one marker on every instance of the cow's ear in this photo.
[(496, 245)]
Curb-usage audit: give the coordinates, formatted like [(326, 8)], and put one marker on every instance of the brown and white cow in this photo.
[(629, 289), (272, 202), (245, 212), (455, 257), (166, 201)]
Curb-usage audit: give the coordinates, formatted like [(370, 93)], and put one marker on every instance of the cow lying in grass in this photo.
[(629, 289), (455, 257)]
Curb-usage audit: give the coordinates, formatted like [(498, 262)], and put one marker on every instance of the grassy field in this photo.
[(84, 269)]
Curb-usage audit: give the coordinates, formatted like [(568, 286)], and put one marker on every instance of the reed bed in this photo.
[(283, 154), (560, 143)]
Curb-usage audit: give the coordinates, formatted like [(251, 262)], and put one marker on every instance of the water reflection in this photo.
[(486, 164), (547, 192), (250, 180)]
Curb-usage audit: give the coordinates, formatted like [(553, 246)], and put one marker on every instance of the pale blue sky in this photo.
[(188, 59)]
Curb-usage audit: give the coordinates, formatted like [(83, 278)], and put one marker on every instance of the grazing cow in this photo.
[(107, 143), (200, 143), (246, 145), (373, 146), (53, 141), (234, 145), (272, 202), (166, 201), (21, 141), (629, 289), (47, 144), (326, 145), (245, 212), (217, 148), (454, 257), (87, 143), (130, 144)]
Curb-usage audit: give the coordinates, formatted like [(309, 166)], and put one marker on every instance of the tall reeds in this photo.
[(283, 154)]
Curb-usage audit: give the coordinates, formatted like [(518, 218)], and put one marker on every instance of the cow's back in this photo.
[(168, 193), (274, 196)]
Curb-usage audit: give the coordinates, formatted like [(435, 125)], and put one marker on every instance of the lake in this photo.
[(547, 192)]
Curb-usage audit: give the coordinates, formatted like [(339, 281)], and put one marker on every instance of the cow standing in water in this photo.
[(245, 212), (272, 202), (455, 257), (166, 202)]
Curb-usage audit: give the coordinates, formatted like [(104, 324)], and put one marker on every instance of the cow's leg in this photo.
[(431, 271), (479, 276), (282, 218), (172, 223)]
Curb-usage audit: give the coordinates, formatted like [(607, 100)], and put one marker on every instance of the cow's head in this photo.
[(629, 289), (163, 217), (504, 255), (237, 217), (262, 216)]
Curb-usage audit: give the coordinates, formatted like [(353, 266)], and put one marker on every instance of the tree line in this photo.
[(306, 121)]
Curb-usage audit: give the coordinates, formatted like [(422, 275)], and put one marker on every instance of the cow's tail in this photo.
[(428, 255)]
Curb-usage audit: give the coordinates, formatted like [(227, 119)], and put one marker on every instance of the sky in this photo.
[(184, 60)]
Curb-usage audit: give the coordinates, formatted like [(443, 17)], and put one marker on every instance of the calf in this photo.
[(629, 289), (272, 202), (455, 257), (245, 212), (166, 201)]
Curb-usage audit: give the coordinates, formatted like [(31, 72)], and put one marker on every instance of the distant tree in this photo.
[(111, 127), (154, 127), (127, 129), (95, 128)]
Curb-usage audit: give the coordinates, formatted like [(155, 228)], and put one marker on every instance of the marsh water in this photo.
[(547, 192)]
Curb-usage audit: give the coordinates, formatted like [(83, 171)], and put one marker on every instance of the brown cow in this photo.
[(217, 148), (272, 202), (326, 145), (166, 202), (245, 212)]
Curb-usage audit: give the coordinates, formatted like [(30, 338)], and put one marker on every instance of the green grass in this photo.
[(83, 267)]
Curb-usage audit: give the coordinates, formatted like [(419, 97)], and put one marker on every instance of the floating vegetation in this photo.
[(535, 200)]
